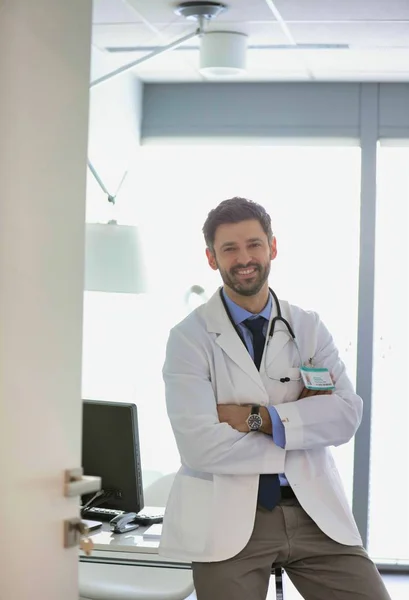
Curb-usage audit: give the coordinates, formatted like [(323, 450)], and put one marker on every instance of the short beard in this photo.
[(263, 271)]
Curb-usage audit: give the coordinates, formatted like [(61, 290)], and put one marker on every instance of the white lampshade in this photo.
[(113, 261), (223, 53)]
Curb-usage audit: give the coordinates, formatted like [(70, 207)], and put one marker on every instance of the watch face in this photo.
[(254, 422)]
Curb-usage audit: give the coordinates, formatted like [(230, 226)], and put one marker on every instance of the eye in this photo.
[(255, 244), (228, 249)]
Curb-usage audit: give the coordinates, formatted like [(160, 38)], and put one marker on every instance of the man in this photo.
[(258, 485)]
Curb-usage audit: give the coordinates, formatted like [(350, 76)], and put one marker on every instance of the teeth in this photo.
[(246, 271)]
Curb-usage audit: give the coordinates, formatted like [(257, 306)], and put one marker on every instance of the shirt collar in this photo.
[(240, 314)]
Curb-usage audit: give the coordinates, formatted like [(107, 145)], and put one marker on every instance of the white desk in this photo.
[(125, 567)]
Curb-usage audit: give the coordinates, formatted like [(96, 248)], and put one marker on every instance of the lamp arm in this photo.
[(127, 67), (143, 59), (120, 183), (111, 198)]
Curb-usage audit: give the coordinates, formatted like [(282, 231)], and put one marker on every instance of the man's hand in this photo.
[(234, 415), (307, 393)]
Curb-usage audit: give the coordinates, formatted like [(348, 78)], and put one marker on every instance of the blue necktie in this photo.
[(269, 489)]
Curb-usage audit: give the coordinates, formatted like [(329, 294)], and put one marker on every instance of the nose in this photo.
[(243, 257)]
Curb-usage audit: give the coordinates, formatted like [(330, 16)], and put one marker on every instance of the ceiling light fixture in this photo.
[(200, 11), (223, 53)]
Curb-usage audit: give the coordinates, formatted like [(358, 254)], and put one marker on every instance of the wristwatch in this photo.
[(254, 420)]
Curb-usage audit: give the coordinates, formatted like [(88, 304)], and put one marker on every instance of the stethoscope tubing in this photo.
[(276, 319)]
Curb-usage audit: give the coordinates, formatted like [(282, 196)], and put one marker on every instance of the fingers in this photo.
[(308, 393)]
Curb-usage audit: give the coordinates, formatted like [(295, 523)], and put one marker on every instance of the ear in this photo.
[(211, 259), (273, 248)]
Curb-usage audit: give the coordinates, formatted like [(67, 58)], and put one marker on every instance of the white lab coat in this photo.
[(211, 508)]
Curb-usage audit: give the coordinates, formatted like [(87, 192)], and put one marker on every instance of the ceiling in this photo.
[(289, 40)]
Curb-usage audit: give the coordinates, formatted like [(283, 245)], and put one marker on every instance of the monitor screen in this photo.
[(110, 450)]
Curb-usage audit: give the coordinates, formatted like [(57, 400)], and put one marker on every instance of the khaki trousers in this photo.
[(319, 567)]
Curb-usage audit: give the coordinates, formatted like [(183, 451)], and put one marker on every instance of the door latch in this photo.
[(76, 534), (78, 484)]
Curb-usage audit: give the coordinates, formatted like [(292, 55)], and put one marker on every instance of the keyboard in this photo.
[(147, 516), (101, 514)]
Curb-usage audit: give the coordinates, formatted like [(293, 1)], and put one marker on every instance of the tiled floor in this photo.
[(398, 588)]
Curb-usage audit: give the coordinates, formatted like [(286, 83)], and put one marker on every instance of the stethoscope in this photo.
[(270, 333)]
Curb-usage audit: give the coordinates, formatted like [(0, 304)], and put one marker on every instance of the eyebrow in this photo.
[(249, 241)]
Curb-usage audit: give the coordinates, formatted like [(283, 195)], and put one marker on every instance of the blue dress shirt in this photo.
[(239, 315)]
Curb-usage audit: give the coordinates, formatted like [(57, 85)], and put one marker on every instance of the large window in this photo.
[(389, 472), (312, 194)]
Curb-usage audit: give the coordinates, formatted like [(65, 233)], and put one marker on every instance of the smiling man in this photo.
[(258, 486), (243, 258)]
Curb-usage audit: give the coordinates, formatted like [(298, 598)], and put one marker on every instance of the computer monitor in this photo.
[(110, 450)]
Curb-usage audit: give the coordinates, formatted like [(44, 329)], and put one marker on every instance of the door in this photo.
[(44, 74)]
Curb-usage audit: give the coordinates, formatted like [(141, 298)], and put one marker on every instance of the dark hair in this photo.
[(235, 210)]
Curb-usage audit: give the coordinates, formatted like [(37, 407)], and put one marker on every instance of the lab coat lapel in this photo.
[(217, 321)]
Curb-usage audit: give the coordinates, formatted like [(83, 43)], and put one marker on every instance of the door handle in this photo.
[(77, 484)]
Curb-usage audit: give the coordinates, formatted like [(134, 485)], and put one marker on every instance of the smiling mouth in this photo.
[(246, 272)]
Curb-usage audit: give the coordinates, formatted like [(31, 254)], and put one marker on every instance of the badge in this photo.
[(316, 379)]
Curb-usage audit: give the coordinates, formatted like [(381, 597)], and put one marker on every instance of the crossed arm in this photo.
[(215, 438), (235, 415), (316, 418)]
